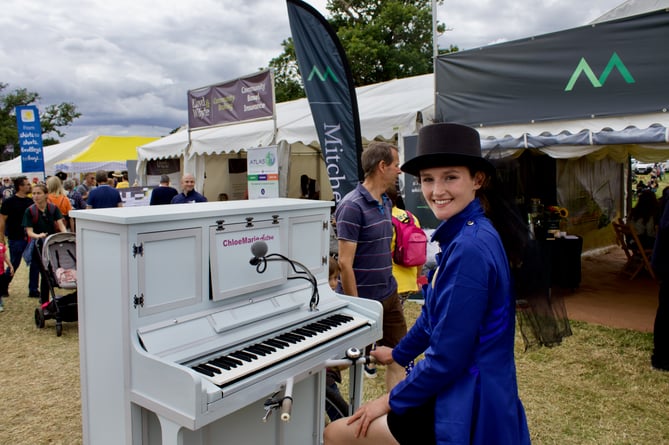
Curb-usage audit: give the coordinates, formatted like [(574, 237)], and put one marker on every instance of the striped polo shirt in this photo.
[(363, 220)]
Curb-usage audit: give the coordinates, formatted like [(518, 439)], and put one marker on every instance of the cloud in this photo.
[(127, 64)]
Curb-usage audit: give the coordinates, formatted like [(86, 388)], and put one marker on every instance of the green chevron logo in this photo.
[(322, 76), (614, 62)]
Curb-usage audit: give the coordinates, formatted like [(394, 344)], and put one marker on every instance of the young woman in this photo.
[(58, 196), (41, 220), (464, 391)]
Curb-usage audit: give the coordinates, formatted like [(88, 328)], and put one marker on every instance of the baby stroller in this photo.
[(58, 268)]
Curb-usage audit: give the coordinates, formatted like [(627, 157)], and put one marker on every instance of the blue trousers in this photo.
[(16, 248)]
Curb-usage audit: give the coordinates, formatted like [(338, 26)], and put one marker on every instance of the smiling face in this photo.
[(448, 190), (187, 183)]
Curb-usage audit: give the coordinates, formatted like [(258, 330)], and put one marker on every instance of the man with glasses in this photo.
[(11, 219), (7, 188)]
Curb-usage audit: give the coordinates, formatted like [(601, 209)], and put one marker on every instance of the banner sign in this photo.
[(30, 138), (242, 99), (331, 95), (608, 69), (262, 172), (135, 196)]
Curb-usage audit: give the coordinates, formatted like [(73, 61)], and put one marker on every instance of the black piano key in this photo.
[(221, 364), (305, 332), (332, 320), (329, 322), (317, 327), (276, 343), (265, 347), (256, 350), (297, 337), (342, 317), (202, 370), (247, 357), (288, 338), (210, 368), (323, 326), (233, 361)]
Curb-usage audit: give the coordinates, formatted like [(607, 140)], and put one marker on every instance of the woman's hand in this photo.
[(383, 355), (368, 412)]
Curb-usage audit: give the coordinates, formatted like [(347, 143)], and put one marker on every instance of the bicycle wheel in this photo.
[(335, 405)]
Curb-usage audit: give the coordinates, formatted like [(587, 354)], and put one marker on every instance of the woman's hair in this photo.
[(41, 186), (68, 184), (54, 186), (507, 219), (647, 207)]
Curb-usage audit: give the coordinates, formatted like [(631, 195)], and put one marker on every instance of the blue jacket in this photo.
[(192, 196), (466, 330)]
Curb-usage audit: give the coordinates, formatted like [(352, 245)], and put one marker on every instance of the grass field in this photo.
[(596, 388)]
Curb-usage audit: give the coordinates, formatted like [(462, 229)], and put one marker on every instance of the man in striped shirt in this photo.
[(364, 232)]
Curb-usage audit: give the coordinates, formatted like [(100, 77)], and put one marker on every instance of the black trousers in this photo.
[(660, 357)]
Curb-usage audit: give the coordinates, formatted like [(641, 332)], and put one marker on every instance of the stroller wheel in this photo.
[(39, 318), (59, 329)]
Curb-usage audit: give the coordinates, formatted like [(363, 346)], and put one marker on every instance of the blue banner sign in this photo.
[(30, 139)]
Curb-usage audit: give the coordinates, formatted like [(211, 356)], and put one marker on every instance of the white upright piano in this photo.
[(182, 340)]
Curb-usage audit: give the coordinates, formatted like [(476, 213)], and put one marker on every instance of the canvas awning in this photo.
[(386, 108), (53, 154), (105, 153)]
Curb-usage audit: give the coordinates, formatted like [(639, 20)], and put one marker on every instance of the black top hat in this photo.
[(445, 144)]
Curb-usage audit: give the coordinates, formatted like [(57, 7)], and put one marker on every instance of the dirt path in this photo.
[(608, 299)]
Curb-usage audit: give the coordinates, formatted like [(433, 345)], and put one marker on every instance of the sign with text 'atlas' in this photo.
[(243, 99), (30, 138)]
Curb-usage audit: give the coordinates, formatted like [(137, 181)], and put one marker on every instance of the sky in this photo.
[(128, 64)]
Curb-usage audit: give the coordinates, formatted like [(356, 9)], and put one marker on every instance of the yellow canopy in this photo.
[(105, 153), (113, 148)]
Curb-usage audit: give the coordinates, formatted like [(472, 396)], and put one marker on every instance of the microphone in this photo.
[(260, 259), (259, 250)]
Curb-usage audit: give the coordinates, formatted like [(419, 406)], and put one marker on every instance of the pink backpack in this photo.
[(410, 242)]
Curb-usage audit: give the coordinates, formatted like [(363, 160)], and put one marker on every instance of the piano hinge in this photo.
[(138, 301), (249, 221), (137, 250), (326, 225), (324, 260), (219, 224), (275, 219)]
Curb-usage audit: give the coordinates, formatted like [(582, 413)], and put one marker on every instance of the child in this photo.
[(4, 252), (333, 275)]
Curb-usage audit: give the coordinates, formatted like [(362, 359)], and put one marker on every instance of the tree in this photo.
[(52, 117), (384, 40)]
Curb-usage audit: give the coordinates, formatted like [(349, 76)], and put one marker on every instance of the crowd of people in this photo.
[(31, 211)]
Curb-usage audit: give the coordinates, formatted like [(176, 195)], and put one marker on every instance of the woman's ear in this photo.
[(479, 179)]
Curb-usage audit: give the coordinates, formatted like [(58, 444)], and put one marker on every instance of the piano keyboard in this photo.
[(233, 366)]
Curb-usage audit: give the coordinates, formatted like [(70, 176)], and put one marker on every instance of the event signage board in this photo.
[(243, 99), (331, 95), (262, 172), (30, 138), (608, 69)]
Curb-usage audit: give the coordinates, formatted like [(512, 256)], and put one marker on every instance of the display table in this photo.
[(565, 260)]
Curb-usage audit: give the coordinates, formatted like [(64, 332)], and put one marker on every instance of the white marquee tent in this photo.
[(53, 154), (387, 108)]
